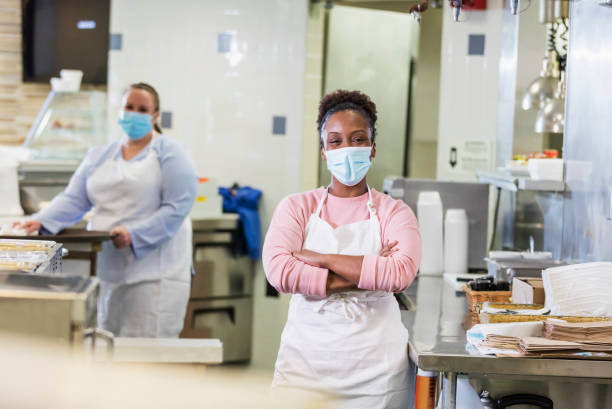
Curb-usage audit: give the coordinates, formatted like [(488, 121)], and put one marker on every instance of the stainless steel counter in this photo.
[(55, 307), (225, 221), (437, 343)]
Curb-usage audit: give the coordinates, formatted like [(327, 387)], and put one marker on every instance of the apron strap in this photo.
[(351, 307), (371, 208), (321, 202)]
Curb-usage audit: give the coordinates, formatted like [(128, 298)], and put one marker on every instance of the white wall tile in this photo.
[(223, 104)]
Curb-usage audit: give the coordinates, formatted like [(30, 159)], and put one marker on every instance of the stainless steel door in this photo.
[(220, 274), (229, 320)]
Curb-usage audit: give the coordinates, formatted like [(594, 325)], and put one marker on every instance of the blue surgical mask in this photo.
[(349, 165), (134, 124)]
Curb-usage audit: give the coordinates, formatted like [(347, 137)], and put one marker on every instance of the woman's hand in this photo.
[(321, 260), (29, 226), (337, 284), (388, 248), (311, 257), (121, 237)]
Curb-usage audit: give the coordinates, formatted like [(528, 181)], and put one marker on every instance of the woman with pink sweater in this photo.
[(342, 251)]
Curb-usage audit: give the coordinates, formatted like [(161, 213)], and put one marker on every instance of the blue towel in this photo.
[(245, 202)]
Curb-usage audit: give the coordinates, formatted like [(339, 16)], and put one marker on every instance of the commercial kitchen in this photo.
[(306, 203)]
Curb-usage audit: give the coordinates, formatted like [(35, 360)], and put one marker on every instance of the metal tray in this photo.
[(507, 269), (49, 263), (68, 236)]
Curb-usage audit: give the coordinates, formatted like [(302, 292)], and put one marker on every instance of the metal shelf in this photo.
[(516, 183)]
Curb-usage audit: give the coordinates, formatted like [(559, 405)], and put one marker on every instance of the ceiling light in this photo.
[(542, 88), (551, 118)]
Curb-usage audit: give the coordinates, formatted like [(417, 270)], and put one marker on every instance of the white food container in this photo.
[(429, 214), (456, 242), (546, 169)]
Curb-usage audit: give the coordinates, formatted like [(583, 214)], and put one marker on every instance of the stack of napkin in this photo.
[(579, 289), (501, 342), (593, 336), (539, 345)]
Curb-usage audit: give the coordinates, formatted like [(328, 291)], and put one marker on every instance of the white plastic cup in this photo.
[(59, 85), (72, 78), (456, 242), (429, 215)]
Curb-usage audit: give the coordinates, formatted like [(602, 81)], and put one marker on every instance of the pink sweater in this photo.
[(286, 234)]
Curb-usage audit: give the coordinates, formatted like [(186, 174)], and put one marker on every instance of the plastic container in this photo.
[(456, 242), (69, 81), (425, 393), (546, 169), (429, 215), (72, 78), (61, 85)]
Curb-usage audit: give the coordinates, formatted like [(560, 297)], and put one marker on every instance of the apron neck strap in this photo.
[(371, 208), (321, 202)]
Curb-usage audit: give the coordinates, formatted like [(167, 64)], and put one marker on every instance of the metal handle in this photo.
[(525, 399), (227, 310), (107, 336), (457, 9)]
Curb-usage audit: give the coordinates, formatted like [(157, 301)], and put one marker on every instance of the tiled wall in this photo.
[(223, 103), (313, 80)]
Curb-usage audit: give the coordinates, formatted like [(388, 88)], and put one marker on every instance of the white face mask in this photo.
[(349, 165)]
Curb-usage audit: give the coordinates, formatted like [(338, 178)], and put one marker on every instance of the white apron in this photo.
[(351, 344), (144, 296)]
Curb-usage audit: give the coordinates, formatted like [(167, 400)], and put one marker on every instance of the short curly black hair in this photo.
[(343, 100)]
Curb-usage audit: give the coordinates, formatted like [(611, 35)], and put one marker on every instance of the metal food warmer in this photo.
[(55, 307), (37, 300)]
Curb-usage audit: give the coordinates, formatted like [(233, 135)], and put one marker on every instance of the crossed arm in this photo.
[(344, 271), (290, 269)]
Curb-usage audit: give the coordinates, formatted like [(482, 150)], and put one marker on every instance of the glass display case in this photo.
[(68, 124)]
